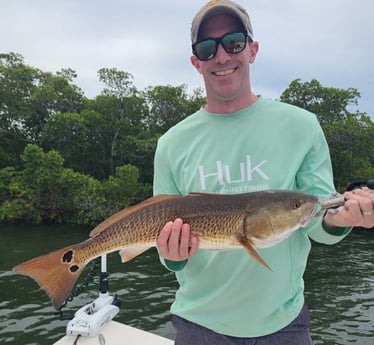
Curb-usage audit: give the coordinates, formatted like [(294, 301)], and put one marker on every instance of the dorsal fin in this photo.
[(130, 210)]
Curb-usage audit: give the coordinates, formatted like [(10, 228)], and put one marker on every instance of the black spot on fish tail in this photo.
[(74, 268), (68, 256)]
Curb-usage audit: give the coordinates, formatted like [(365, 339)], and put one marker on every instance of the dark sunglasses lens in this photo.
[(234, 43), (206, 50)]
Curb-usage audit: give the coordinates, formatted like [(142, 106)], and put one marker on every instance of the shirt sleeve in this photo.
[(163, 179), (315, 177)]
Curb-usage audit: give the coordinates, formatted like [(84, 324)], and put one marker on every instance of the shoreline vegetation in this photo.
[(65, 158)]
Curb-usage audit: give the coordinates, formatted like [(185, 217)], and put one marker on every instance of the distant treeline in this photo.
[(67, 158)]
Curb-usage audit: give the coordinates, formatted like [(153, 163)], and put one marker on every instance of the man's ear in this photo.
[(253, 48), (195, 62)]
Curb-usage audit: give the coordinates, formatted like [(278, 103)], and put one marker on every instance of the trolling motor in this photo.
[(89, 320)]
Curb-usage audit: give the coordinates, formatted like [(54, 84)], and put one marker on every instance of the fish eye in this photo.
[(296, 205)]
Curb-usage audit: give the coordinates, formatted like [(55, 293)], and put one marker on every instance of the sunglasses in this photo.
[(232, 43)]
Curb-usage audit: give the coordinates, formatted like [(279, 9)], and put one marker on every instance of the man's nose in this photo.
[(222, 56)]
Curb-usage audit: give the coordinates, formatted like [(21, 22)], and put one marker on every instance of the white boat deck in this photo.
[(116, 333)]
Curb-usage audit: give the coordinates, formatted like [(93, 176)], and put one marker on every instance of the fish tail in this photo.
[(56, 273)]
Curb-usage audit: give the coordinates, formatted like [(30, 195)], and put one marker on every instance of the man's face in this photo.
[(226, 75)]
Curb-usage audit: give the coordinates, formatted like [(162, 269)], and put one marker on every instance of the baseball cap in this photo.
[(216, 7)]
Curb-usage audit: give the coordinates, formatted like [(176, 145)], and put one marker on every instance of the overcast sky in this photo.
[(329, 40)]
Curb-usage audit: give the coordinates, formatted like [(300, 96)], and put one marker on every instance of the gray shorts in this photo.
[(296, 333)]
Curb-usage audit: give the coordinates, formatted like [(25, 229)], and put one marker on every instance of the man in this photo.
[(239, 142)]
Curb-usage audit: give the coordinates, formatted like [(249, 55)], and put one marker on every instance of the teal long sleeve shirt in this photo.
[(269, 145)]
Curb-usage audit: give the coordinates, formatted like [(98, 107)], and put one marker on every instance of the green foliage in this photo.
[(54, 95), (168, 105), (41, 178), (16, 203), (328, 103), (123, 189), (45, 191), (80, 139), (66, 158), (28, 97), (350, 134), (19, 211), (16, 86), (6, 176), (84, 202), (350, 144), (117, 83)]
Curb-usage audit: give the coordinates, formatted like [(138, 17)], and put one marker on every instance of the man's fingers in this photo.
[(175, 242), (194, 246), (163, 239)]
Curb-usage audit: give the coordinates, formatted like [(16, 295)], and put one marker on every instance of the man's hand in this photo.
[(358, 210), (175, 241)]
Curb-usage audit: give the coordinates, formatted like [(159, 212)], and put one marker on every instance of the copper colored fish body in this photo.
[(221, 222)]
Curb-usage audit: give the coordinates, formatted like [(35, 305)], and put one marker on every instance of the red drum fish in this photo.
[(221, 222)]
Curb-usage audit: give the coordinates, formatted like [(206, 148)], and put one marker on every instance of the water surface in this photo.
[(339, 289)]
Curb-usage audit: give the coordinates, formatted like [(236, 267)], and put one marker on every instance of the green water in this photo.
[(339, 289)]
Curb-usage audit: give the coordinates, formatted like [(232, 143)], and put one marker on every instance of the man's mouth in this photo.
[(224, 72)]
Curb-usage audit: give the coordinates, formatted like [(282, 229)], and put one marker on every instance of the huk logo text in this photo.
[(223, 173)]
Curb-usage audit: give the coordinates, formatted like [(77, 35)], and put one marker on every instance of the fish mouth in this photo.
[(309, 216)]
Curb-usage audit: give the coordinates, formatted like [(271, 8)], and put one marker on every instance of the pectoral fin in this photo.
[(249, 246)]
